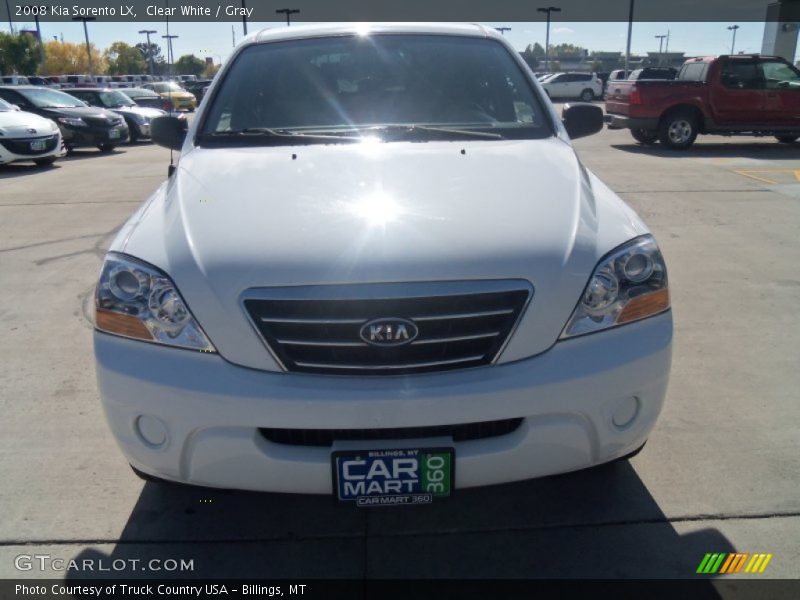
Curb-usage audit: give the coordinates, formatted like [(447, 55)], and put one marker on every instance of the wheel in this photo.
[(587, 95), (787, 139), (678, 130), (106, 148), (46, 161), (645, 136)]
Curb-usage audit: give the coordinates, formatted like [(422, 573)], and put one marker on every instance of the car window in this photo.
[(353, 81), (741, 74), (779, 75), (5, 106), (13, 97), (693, 72), (114, 99), (85, 97), (44, 98)]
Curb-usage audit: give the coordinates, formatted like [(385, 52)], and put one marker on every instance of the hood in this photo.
[(80, 111), (17, 123), (238, 218), (144, 112)]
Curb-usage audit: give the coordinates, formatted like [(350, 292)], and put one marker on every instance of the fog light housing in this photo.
[(151, 430)]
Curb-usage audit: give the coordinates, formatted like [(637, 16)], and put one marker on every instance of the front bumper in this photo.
[(585, 401), (624, 122), (20, 149), (75, 137)]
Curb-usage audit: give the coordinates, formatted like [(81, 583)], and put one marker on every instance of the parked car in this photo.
[(79, 81), (615, 75), (197, 88), (666, 73), (727, 95), (42, 81), (25, 136), (314, 304), (148, 98), (585, 86), (138, 118), (171, 91), (14, 80), (80, 125)]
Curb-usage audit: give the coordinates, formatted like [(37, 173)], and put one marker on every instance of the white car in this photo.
[(384, 277), (25, 136), (583, 86)]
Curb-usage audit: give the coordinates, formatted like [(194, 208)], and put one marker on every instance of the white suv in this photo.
[(583, 86), (379, 270)]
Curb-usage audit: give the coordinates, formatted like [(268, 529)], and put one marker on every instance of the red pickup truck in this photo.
[(727, 95)]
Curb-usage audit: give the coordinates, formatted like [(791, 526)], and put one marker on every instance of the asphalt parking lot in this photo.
[(720, 472)]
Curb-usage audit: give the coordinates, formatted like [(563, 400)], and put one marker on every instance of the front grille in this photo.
[(103, 122), (22, 147), (318, 329), (326, 437)]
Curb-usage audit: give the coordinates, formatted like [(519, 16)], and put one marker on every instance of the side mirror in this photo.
[(169, 132), (582, 119), (15, 107)]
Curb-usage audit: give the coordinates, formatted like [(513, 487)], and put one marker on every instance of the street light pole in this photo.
[(170, 55), (244, 18), (10, 23), (548, 10), (147, 32), (288, 12), (86, 35), (660, 47), (733, 28), (630, 32)]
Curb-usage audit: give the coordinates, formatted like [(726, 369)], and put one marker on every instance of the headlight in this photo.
[(136, 300), (628, 284), (74, 121)]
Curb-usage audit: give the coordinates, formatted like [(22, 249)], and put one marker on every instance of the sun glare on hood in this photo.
[(376, 209)]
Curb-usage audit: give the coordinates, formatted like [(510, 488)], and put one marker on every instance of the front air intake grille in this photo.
[(24, 147), (326, 437), (324, 329)]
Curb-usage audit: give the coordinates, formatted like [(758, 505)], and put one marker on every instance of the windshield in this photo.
[(346, 84), (169, 86), (51, 99), (115, 99), (4, 106)]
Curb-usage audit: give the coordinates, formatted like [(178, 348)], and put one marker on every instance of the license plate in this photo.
[(38, 145), (114, 134), (393, 477)]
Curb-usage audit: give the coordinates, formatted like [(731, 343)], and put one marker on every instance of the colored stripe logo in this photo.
[(736, 562)]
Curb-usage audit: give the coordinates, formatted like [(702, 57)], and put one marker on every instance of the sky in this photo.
[(215, 39)]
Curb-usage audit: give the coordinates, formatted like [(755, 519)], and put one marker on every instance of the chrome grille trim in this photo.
[(316, 329), (426, 365)]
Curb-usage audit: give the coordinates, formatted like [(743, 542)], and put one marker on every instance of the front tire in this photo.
[(645, 136), (107, 148), (46, 161), (587, 95), (678, 131), (787, 139)]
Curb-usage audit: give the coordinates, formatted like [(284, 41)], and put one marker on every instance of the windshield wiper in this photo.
[(414, 129), (267, 132)]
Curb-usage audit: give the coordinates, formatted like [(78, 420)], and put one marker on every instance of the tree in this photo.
[(124, 59), (153, 51), (61, 58), (211, 70), (189, 64), (19, 54), (533, 55)]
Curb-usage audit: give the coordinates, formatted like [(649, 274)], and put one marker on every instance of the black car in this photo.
[(147, 98), (80, 125), (198, 88), (137, 117)]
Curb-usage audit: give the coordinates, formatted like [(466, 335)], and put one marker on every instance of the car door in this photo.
[(557, 85), (739, 96), (782, 83)]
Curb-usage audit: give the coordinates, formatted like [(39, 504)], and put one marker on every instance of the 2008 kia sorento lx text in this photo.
[(379, 270)]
